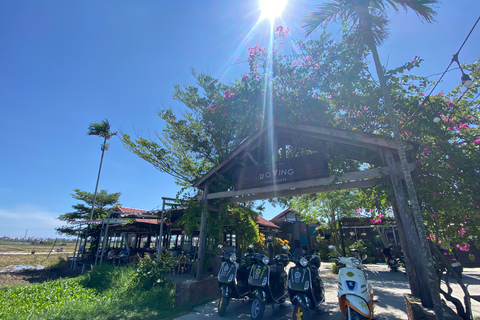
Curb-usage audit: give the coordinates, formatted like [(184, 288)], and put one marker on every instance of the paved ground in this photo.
[(388, 287)]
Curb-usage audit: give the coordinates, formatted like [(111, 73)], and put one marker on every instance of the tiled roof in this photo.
[(128, 210), (263, 222)]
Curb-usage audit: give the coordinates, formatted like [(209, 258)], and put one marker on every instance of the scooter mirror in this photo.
[(285, 248), (220, 246), (331, 248), (250, 246), (364, 257)]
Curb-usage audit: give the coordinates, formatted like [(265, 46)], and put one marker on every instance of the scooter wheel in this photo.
[(257, 309), (301, 313), (222, 305)]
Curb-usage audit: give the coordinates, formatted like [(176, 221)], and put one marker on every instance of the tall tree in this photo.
[(369, 20), (101, 129), (105, 202)]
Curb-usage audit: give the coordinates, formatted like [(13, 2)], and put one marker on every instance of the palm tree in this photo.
[(101, 129), (369, 22)]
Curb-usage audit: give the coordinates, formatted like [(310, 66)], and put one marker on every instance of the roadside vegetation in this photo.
[(132, 292)]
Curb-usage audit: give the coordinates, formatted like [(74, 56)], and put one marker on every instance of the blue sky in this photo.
[(65, 64)]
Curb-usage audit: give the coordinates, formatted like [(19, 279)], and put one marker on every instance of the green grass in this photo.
[(106, 292)]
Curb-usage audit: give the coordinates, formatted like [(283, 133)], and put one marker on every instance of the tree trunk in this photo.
[(98, 179), (426, 268)]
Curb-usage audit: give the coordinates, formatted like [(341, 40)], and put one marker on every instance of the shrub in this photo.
[(35, 299)]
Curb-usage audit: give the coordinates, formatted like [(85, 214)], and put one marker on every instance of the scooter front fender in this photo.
[(303, 300), (358, 304), (260, 294)]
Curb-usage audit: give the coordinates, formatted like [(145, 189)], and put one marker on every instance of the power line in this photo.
[(454, 59)]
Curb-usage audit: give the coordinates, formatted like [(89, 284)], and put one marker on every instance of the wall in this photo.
[(196, 291)]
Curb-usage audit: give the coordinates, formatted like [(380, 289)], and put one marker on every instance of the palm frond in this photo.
[(326, 12), (423, 8), (101, 129)]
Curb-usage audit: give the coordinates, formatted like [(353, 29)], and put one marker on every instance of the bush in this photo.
[(138, 292), (150, 273), (20, 302)]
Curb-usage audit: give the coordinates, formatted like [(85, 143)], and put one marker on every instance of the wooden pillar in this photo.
[(160, 236), (412, 249), (203, 235)]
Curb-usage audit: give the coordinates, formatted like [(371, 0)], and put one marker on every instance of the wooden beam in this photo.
[(343, 136), (317, 189), (349, 176), (241, 148)]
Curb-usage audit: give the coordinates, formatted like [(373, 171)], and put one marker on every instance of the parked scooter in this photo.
[(390, 259), (268, 281), (232, 279), (305, 286), (355, 294)]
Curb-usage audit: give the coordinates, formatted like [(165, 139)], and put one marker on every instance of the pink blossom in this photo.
[(426, 150), (466, 247), (469, 117), (462, 231), (477, 141)]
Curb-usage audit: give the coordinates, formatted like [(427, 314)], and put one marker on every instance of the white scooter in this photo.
[(355, 294)]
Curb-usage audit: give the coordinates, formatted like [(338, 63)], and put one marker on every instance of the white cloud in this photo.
[(40, 222)]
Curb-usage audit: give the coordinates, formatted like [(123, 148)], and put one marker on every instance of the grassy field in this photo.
[(24, 247), (139, 292), (21, 253)]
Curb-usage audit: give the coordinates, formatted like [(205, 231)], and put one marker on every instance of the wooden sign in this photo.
[(299, 168)]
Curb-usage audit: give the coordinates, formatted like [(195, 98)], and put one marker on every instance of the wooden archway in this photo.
[(285, 160)]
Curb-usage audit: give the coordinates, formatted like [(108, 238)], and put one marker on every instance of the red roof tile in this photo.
[(266, 223), (128, 210)]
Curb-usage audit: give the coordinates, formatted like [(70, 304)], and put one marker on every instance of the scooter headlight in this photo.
[(265, 260), (303, 262), (233, 257), (355, 262)]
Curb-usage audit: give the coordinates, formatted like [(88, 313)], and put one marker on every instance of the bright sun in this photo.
[(271, 8)]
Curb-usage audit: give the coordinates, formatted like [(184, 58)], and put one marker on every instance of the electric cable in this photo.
[(454, 59)]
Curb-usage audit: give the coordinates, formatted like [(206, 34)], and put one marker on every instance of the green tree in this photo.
[(103, 130), (327, 208), (369, 21), (104, 203)]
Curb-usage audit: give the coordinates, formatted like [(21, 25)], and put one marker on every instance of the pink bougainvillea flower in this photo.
[(466, 247), (425, 150)]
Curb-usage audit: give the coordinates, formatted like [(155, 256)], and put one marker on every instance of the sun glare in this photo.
[(270, 9)]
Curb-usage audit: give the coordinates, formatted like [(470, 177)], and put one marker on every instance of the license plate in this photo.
[(454, 264)]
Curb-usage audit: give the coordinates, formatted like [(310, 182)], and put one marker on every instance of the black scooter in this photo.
[(390, 259), (232, 280), (268, 281), (305, 286)]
